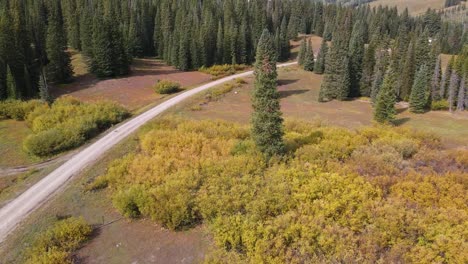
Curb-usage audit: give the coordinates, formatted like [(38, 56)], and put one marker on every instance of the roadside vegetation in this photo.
[(65, 124), (374, 194), (166, 87), (55, 246), (220, 71)]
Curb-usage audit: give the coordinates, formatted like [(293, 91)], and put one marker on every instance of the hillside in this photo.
[(415, 7)]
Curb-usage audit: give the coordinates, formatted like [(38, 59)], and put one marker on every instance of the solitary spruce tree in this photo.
[(420, 91), (267, 121), (385, 111)]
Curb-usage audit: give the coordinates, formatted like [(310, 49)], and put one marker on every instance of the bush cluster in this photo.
[(19, 110), (338, 196), (440, 105), (219, 71), (66, 124), (56, 245), (166, 87)]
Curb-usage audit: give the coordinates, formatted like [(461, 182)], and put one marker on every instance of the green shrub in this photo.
[(440, 105), (49, 142), (166, 87), (19, 110), (126, 201), (68, 123), (57, 244)]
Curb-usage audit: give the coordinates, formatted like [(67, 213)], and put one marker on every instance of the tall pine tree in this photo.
[(319, 67), (384, 111), (309, 57), (267, 123), (59, 68), (420, 91)]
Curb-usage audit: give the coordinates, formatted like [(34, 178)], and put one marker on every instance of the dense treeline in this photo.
[(393, 58), (35, 34), (375, 195)]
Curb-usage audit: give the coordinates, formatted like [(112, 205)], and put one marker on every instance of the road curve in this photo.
[(18, 209)]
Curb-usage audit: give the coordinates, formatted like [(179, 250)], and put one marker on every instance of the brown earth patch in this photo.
[(133, 91)]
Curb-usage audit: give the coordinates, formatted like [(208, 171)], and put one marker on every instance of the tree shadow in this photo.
[(284, 94), (85, 259), (286, 82), (401, 121)]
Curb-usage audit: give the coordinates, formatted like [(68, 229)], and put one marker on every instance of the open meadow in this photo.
[(299, 100), (415, 7)]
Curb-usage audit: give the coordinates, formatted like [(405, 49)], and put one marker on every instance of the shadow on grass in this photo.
[(284, 94), (401, 121), (286, 82)]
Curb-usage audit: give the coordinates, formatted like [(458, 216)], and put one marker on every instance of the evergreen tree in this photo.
[(219, 45), (436, 81), (302, 52), (423, 51), (44, 88), (376, 85), (5, 47), (356, 57), (384, 111), (407, 78), (336, 82), (379, 74), (420, 91), (59, 67), (309, 57), (368, 64), (267, 123), (73, 24), (445, 82), (86, 32), (12, 90), (319, 67), (284, 41), (462, 96), (453, 88)]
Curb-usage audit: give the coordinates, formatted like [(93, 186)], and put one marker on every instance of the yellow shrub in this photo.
[(315, 205), (166, 87), (56, 244)]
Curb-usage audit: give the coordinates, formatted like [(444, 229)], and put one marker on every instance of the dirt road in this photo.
[(18, 209)]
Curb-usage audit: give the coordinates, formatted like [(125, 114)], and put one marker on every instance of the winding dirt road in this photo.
[(18, 209)]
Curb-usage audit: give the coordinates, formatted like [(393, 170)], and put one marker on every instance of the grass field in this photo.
[(12, 134), (299, 93), (415, 7)]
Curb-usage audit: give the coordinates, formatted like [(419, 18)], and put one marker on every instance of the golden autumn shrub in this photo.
[(19, 110), (56, 245), (337, 196)]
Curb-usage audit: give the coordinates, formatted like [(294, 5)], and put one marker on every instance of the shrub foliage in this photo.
[(166, 87), (65, 124), (56, 245), (337, 196)]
